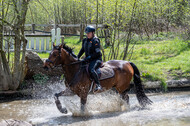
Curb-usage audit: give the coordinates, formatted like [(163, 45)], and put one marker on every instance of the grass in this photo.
[(153, 57), (161, 57), (156, 59)]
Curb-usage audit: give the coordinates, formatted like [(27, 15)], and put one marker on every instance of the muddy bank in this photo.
[(170, 84), (32, 89)]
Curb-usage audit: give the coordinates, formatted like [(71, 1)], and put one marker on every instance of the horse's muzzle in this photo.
[(46, 68)]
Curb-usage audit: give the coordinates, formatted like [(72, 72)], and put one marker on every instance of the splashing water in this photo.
[(104, 102), (104, 109)]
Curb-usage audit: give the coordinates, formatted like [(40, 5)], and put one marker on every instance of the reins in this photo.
[(77, 62), (78, 72), (64, 65)]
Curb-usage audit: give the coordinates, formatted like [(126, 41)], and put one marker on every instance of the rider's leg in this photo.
[(92, 69)]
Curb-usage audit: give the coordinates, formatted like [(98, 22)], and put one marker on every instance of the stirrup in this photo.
[(98, 89)]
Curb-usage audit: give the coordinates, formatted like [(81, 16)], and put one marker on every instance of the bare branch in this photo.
[(43, 7), (6, 22)]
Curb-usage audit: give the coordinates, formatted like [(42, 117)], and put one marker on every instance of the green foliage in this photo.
[(62, 77), (145, 51), (109, 11), (155, 59), (164, 85), (146, 22), (40, 79)]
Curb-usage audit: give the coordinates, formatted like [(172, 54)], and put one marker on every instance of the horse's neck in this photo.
[(70, 70)]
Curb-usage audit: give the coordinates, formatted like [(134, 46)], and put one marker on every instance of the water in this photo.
[(105, 109)]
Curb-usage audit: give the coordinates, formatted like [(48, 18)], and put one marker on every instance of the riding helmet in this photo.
[(89, 28)]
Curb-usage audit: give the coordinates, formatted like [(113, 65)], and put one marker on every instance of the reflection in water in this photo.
[(102, 109)]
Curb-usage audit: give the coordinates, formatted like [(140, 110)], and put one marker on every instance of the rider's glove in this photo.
[(87, 58)]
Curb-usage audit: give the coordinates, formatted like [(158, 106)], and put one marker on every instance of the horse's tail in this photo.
[(141, 96)]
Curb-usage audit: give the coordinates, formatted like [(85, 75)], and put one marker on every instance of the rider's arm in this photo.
[(82, 50), (97, 52)]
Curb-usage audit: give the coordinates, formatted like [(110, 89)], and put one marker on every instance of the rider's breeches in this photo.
[(92, 70)]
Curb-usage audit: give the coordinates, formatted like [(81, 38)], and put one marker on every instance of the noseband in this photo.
[(54, 62)]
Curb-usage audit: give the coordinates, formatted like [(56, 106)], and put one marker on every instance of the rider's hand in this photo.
[(87, 58)]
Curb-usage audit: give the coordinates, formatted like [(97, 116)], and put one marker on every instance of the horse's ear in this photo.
[(62, 50), (61, 46), (53, 44)]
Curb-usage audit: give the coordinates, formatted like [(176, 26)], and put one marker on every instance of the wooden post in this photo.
[(33, 28), (32, 43), (107, 35), (62, 39), (53, 36), (42, 44), (37, 44), (48, 43), (29, 39), (58, 36), (81, 32)]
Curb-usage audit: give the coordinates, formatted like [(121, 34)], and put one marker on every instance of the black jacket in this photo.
[(91, 47)]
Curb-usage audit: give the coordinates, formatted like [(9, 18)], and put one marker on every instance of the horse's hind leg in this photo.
[(125, 96)]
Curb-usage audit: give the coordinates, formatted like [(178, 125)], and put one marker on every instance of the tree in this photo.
[(18, 10)]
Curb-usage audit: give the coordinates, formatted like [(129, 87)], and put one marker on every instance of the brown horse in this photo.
[(78, 81)]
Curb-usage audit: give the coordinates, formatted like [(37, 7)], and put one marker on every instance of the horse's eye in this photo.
[(54, 54)]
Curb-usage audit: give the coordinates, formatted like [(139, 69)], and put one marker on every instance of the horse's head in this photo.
[(61, 54), (54, 57)]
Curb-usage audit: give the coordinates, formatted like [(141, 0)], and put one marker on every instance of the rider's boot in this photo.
[(98, 87)]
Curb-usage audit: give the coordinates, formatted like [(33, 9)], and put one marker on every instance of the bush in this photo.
[(40, 79)]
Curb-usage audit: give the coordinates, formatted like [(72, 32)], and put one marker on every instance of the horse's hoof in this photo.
[(64, 110), (59, 107)]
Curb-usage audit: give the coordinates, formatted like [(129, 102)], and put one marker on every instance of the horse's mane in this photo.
[(69, 50)]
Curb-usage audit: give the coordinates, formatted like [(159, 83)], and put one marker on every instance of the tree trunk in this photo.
[(16, 69), (3, 83), (12, 80), (5, 75), (81, 32), (129, 32)]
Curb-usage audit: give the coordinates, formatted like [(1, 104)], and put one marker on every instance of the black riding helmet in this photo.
[(89, 28)]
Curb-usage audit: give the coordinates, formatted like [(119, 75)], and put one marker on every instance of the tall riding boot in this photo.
[(96, 80)]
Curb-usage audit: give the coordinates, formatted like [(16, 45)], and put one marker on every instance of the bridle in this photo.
[(73, 63), (59, 56), (55, 61)]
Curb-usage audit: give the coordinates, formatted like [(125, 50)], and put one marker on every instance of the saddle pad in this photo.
[(106, 72)]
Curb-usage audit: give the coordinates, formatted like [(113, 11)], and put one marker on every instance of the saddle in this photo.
[(104, 71)]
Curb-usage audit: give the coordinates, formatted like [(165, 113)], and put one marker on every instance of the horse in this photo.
[(78, 82)]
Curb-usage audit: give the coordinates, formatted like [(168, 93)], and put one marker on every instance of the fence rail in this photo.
[(38, 43), (62, 25), (42, 42)]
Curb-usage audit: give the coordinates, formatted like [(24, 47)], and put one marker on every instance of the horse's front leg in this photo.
[(66, 92), (83, 100)]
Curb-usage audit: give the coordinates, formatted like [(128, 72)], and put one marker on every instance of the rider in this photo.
[(91, 47)]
